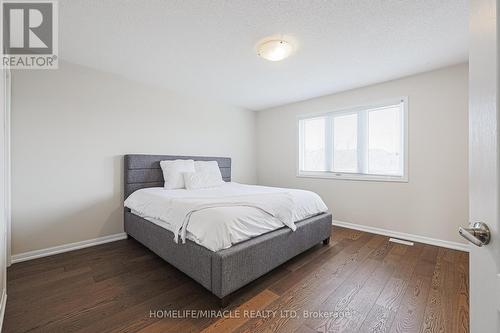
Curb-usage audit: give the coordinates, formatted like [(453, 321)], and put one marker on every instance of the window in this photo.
[(365, 143)]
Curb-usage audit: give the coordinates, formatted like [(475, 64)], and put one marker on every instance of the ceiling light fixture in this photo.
[(274, 50)]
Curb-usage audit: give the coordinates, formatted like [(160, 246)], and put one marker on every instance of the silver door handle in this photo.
[(478, 235)]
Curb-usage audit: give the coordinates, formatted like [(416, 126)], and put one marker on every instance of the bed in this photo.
[(224, 271)]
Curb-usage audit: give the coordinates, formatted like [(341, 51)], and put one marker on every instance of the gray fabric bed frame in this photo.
[(227, 270)]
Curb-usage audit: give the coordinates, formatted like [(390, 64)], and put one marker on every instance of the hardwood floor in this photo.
[(359, 282)]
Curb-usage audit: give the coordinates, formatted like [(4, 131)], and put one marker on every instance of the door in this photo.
[(484, 168), (3, 187)]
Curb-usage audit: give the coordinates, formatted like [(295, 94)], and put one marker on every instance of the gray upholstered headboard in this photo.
[(143, 171)]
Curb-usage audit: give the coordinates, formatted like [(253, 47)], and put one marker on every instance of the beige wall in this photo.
[(435, 200), (70, 128)]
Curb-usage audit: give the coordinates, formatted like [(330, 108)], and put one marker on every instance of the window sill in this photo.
[(352, 176)]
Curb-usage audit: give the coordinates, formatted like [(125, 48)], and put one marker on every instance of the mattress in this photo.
[(219, 228)]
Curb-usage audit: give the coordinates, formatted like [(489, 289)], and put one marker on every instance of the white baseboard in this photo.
[(3, 304), (66, 248), (111, 238), (403, 235)]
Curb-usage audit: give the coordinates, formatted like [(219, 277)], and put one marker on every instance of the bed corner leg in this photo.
[(224, 301), (326, 241)]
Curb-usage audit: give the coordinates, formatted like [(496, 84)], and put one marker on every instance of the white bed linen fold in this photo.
[(178, 211)]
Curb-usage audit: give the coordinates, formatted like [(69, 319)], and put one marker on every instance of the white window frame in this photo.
[(348, 175)]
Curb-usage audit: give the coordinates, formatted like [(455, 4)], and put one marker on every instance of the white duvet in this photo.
[(217, 218)]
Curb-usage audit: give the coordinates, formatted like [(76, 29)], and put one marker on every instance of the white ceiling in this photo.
[(207, 48)]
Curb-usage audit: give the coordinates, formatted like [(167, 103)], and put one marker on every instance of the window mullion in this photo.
[(329, 143), (301, 145), (362, 142)]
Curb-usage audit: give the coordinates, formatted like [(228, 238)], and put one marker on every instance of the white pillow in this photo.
[(201, 179), (210, 167), (173, 172), (207, 174)]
